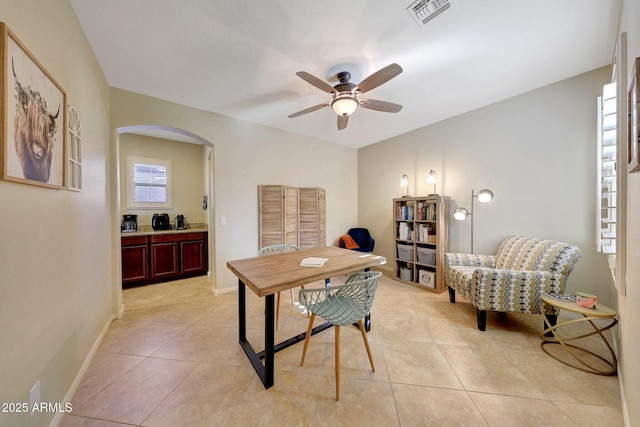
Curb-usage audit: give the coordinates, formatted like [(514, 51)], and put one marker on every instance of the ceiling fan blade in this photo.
[(342, 122), (313, 80), (308, 110), (379, 77), (387, 107)]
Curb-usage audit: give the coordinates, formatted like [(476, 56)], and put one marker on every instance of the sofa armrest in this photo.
[(469, 260)]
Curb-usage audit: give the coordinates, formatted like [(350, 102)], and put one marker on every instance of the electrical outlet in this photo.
[(34, 396)]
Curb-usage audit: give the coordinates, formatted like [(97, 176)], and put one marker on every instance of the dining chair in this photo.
[(342, 305), (273, 250)]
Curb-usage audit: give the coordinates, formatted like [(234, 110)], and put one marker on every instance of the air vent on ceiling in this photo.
[(425, 10)]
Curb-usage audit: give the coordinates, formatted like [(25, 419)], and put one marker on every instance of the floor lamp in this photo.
[(483, 196)]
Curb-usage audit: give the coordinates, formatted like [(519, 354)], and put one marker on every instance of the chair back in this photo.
[(528, 253), (343, 304), (360, 235), (277, 249)]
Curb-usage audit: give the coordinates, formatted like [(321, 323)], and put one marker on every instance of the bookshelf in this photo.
[(421, 238)]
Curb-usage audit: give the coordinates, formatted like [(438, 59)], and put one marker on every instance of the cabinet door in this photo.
[(193, 257), (135, 263), (164, 260)]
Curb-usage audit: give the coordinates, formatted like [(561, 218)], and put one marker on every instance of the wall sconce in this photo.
[(431, 179), (483, 196), (404, 182)]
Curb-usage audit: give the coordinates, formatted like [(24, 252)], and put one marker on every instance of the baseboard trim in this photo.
[(222, 291), (57, 419)]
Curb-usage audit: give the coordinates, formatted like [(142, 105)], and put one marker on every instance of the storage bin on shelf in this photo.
[(426, 256), (405, 252), (427, 278), (406, 274)]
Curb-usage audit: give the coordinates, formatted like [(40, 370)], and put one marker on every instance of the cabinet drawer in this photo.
[(180, 237), (133, 240)]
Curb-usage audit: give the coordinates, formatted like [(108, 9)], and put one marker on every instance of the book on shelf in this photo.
[(405, 213), (405, 231), (426, 212), (424, 231), (313, 262)]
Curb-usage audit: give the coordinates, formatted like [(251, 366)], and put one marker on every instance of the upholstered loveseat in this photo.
[(514, 279)]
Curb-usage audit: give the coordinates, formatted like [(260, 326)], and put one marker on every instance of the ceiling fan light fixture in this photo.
[(344, 105)]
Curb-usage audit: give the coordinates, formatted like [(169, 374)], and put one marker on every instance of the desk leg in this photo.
[(367, 318), (242, 312), (266, 371), (269, 340)]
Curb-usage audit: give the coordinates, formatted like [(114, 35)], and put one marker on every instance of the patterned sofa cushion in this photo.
[(527, 253)]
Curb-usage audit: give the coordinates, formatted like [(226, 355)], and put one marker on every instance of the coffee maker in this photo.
[(129, 223), (180, 222)]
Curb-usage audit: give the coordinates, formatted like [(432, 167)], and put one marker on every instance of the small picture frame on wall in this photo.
[(633, 142), (32, 116)]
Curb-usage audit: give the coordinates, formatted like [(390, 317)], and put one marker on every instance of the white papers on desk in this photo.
[(313, 262)]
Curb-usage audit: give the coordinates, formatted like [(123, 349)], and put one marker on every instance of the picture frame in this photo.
[(32, 118), (633, 142)]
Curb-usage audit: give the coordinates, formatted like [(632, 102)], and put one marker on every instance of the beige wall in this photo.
[(535, 151), (245, 156), (56, 257), (629, 346), (188, 176)]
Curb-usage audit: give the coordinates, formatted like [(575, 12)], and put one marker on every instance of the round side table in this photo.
[(588, 315)]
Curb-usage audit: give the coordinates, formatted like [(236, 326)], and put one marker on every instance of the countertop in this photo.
[(146, 230)]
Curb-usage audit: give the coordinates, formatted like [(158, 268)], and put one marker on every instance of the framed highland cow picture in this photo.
[(32, 117)]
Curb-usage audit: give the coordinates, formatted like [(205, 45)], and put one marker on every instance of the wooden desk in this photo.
[(268, 275)]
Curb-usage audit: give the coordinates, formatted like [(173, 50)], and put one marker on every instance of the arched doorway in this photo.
[(178, 135)]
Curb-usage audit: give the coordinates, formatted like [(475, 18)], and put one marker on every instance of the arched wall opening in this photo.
[(174, 134)]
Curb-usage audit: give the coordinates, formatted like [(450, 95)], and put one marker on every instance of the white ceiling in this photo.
[(239, 58)]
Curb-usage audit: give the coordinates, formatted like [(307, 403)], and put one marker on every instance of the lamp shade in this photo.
[(485, 196), (460, 214), (404, 182), (344, 105)]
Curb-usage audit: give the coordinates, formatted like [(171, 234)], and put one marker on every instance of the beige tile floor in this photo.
[(173, 359)]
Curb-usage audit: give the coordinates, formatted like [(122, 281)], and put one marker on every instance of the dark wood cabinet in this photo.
[(160, 257), (194, 259), (164, 260), (135, 259)]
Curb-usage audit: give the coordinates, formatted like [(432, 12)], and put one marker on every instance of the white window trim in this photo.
[(131, 203), (74, 150)]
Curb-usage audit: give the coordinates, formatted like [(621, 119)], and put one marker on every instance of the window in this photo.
[(74, 150), (607, 155), (149, 183)]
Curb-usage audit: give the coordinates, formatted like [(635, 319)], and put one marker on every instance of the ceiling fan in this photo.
[(346, 95)]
